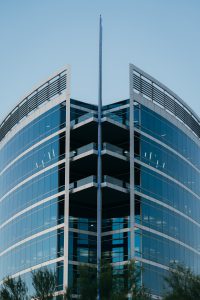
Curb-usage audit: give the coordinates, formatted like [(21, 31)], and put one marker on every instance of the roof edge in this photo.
[(151, 78)]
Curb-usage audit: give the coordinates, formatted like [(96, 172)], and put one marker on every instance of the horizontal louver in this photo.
[(160, 96), (36, 98)]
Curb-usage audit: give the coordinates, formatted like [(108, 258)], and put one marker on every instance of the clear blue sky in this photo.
[(38, 37)]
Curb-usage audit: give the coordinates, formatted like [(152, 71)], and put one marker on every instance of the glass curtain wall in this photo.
[(32, 184), (167, 194)]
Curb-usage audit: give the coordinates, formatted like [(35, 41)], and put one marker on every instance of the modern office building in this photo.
[(150, 182)]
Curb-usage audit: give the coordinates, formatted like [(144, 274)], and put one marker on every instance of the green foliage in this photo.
[(87, 282), (134, 288), (107, 282), (68, 295), (13, 289), (44, 283), (183, 284), (120, 283), (128, 282), (115, 284)]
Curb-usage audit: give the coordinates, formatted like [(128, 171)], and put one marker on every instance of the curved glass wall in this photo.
[(48, 153), (58, 268), (44, 248), (166, 193), (32, 186), (41, 187), (162, 159), (167, 201), (160, 128), (43, 126), (39, 218), (165, 190)]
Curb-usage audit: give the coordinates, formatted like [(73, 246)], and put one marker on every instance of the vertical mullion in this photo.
[(132, 195), (67, 174)]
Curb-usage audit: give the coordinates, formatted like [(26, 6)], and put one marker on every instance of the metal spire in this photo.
[(99, 164)]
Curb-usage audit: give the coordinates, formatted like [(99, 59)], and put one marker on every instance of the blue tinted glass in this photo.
[(44, 125), (164, 131), (41, 187), (31, 253)]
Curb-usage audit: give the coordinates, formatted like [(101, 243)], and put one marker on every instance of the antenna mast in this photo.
[(99, 164)]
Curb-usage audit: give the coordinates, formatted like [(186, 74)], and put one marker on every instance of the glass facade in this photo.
[(162, 196), (32, 197), (167, 205)]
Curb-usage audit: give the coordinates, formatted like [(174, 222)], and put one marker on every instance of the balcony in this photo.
[(114, 159), (84, 129), (84, 191)]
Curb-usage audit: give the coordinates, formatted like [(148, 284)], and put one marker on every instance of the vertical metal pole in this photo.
[(132, 175), (99, 165), (67, 173)]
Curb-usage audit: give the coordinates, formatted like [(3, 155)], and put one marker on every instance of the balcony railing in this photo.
[(83, 118), (116, 118), (93, 179), (119, 119), (83, 149), (93, 146), (116, 149), (115, 181), (84, 181)]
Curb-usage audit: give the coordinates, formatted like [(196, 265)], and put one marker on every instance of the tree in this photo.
[(183, 284), (13, 289), (106, 281), (128, 283), (115, 284), (87, 283), (135, 289), (44, 283), (68, 295)]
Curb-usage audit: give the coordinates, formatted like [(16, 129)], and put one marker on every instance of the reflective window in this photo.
[(110, 224), (36, 251), (164, 160), (46, 124), (168, 222), (165, 190), (42, 186), (42, 217), (46, 154), (153, 278), (164, 131), (161, 250), (88, 224), (55, 267), (115, 247), (82, 247)]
